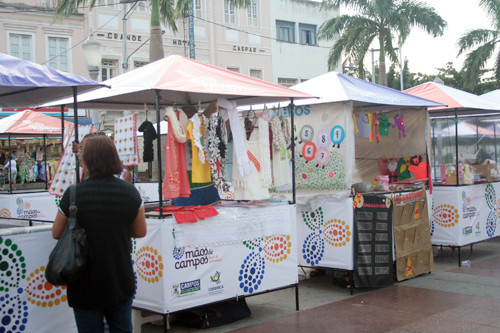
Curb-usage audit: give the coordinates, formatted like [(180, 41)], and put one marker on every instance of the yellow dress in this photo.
[(200, 171)]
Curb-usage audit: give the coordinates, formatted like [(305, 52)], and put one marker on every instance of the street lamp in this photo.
[(92, 52)]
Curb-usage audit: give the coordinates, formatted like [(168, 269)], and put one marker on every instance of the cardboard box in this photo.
[(485, 170), (451, 179)]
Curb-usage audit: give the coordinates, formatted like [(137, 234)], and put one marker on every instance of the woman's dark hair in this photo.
[(100, 157)]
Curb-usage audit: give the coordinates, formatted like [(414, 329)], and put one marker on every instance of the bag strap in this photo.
[(72, 207)]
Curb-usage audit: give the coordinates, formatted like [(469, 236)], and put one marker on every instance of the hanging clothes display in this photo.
[(149, 135), (281, 167), (216, 148), (200, 166), (175, 180), (254, 185), (125, 137)]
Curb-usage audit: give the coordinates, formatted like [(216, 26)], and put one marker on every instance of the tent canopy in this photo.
[(181, 81), (32, 122), (336, 87), (492, 97), (453, 99), (23, 83)]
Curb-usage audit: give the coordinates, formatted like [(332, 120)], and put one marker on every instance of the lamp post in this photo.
[(92, 52)]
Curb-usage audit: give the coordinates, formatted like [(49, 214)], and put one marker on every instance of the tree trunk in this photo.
[(382, 74), (155, 34)]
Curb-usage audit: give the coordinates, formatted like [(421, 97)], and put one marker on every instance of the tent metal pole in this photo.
[(45, 159), (62, 127), (456, 146), (75, 118), (292, 117), (10, 173), (158, 150)]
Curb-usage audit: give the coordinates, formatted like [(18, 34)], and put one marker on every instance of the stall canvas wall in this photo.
[(36, 206), (463, 215), (322, 148), (28, 303)]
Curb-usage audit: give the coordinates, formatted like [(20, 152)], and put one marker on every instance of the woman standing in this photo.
[(11, 167), (111, 212)]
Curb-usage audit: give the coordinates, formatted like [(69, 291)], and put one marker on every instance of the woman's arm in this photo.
[(59, 225), (139, 227), (127, 177)]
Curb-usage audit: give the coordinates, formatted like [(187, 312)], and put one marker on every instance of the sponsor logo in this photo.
[(467, 231), (24, 212), (216, 286), (186, 288)]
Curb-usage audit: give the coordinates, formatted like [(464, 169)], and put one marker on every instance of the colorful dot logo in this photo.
[(313, 219), (313, 248), (178, 252), (252, 272), (253, 244), (491, 224), (277, 248), (13, 313), (5, 213), (149, 265), (42, 293), (445, 216), (337, 233), (12, 265), (490, 196)]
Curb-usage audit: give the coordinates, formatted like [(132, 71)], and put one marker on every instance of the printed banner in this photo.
[(36, 206), (170, 279), (28, 303), (463, 215), (324, 234)]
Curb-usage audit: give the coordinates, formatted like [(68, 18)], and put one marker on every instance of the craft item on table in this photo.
[(403, 172), (362, 187), (125, 137), (65, 174), (149, 135), (370, 123), (468, 174), (200, 166), (382, 165), (231, 113), (175, 180), (383, 181), (190, 214), (384, 125), (392, 170), (178, 121), (204, 195), (418, 167), (255, 185), (216, 148), (400, 124)]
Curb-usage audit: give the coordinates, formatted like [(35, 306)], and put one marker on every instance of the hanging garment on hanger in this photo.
[(280, 162), (200, 166), (149, 135), (216, 148), (175, 180)]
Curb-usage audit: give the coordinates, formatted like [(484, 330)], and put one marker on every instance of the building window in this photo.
[(138, 64), (233, 69), (285, 31), (21, 46), (286, 82), (109, 69), (256, 73), (58, 53), (253, 18), (108, 3), (308, 34), (197, 8), (229, 12)]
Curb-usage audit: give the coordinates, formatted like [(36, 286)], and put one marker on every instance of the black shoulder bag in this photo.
[(69, 257)]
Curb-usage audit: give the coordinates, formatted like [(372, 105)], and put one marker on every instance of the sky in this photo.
[(425, 53)]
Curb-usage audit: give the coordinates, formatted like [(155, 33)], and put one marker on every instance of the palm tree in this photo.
[(484, 41), (380, 20), (167, 11)]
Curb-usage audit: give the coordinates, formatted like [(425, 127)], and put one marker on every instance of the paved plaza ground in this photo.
[(450, 299)]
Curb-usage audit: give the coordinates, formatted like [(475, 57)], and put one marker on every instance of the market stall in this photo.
[(26, 299), (357, 133), (464, 169), (243, 248)]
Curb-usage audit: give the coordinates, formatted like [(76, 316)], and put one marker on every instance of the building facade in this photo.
[(275, 41)]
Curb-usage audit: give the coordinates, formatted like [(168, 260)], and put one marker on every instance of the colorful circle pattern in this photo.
[(12, 265), (337, 233), (277, 248), (178, 252), (313, 249), (490, 196), (491, 224), (41, 292), (314, 219), (445, 216), (13, 313), (253, 244), (252, 272), (149, 264)]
